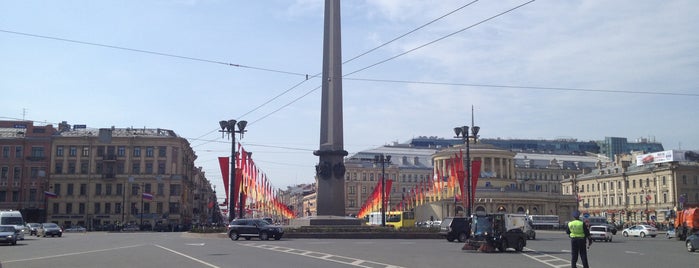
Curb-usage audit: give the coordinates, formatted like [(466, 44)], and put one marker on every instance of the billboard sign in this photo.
[(666, 156)]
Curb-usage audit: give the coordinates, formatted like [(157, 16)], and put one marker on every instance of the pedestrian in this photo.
[(579, 235)]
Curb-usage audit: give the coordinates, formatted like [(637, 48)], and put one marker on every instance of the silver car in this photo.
[(640, 230)]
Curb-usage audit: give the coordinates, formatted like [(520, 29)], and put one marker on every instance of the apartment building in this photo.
[(109, 177)]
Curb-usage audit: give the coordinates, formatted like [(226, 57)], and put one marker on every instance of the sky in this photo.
[(546, 69)]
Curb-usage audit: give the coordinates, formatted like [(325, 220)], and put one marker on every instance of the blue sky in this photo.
[(549, 69)]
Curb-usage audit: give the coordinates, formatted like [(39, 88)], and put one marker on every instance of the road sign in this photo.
[(586, 215)]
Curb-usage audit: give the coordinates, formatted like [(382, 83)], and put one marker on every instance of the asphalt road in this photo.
[(108, 250)]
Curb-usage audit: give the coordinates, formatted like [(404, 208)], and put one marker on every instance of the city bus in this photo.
[(545, 221), (395, 219)]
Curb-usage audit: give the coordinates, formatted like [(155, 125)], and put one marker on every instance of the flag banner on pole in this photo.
[(147, 196), (225, 169), (50, 194)]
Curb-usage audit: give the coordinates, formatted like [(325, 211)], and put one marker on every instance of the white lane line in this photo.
[(72, 254), (189, 257), (549, 260), (324, 256)]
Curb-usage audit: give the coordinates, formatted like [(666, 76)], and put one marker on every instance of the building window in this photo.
[(162, 151), (59, 168), (98, 189), (86, 151), (107, 208), (121, 151), (81, 208), (159, 208), (37, 152), (17, 174), (4, 173), (149, 151), (69, 208), (117, 208), (146, 207), (161, 167), (54, 208), (84, 165), (108, 189), (149, 168), (136, 168), (73, 151), (18, 152), (350, 189), (175, 190), (83, 189), (161, 189), (6, 152), (98, 208), (134, 189), (32, 195), (119, 189), (69, 189), (71, 168), (174, 208), (684, 179), (137, 151)]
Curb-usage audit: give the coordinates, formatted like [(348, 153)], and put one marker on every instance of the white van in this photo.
[(14, 218)]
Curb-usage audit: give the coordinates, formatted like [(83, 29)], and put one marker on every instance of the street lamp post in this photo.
[(647, 196), (464, 134), (383, 160), (228, 127)]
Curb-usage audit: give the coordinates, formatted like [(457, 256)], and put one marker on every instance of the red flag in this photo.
[(225, 169), (475, 173)]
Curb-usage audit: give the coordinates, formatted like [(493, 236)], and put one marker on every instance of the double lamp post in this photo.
[(383, 160), (229, 127), (462, 132)]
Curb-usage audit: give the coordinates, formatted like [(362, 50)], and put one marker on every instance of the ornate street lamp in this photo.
[(462, 132), (383, 160), (228, 127)]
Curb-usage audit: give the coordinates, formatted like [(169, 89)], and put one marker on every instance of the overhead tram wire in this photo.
[(524, 87), (402, 54), (351, 59), (153, 53), (441, 38)]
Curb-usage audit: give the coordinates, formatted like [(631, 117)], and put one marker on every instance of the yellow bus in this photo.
[(395, 219), (399, 219)]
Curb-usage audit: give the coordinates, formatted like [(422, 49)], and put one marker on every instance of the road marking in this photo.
[(72, 254), (549, 260), (189, 257), (634, 252), (324, 256), (196, 244)]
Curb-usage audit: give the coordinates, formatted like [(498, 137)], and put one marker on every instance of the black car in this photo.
[(249, 228), (457, 228)]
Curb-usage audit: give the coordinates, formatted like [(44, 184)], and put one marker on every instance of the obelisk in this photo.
[(330, 171)]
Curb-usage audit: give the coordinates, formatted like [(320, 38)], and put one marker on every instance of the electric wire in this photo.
[(526, 87), (440, 39), (152, 52)]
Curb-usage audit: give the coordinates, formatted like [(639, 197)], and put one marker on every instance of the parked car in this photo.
[(455, 228), (8, 234), (692, 242), (268, 220), (49, 229), (249, 228), (640, 230), (601, 233), (75, 229), (32, 226)]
